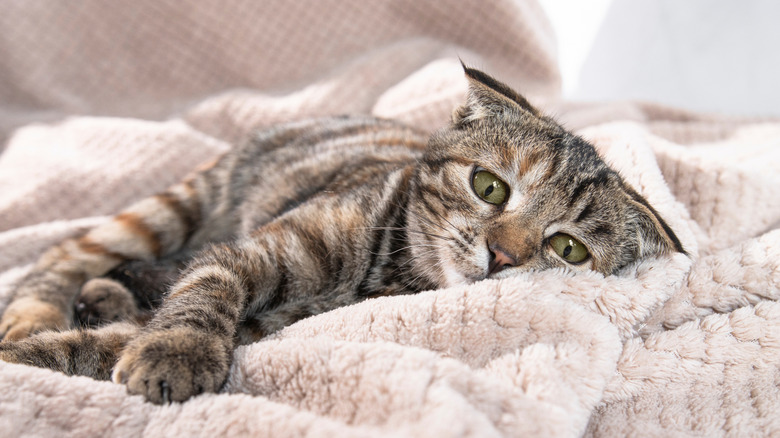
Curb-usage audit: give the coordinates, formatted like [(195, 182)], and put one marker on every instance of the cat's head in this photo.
[(505, 188)]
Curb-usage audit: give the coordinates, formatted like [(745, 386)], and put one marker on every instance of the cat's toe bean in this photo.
[(173, 365)]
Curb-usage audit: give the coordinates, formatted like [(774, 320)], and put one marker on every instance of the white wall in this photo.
[(705, 55)]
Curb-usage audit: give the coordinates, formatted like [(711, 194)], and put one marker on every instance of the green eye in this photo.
[(569, 248), (489, 187)]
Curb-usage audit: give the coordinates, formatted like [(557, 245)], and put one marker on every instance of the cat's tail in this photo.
[(90, 353)]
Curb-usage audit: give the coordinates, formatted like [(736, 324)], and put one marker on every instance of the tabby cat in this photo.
[(314, 215)]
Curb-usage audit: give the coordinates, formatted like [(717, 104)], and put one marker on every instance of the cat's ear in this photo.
[(487, 96), (655, 236)]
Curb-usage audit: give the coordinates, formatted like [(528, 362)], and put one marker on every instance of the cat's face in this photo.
[(505, 189)]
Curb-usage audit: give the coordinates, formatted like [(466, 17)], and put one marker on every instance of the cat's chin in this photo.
[(493, 276), (454, 277), (506, 273)]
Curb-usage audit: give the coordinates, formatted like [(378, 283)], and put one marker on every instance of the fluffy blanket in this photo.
[(103, 103)]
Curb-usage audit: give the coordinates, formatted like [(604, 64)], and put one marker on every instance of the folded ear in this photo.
[(487, 96), (655, 236)]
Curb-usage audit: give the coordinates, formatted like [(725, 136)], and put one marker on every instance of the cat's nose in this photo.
[(499, 259)]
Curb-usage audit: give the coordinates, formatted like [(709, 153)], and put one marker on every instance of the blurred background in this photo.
[(718, 56)]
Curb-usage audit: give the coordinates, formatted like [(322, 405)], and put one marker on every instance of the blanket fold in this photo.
[(105, 103)]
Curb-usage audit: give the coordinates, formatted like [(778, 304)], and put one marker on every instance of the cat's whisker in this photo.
[(440, 216), (423, 218), (442, 227), (416, 257), (407, 230), (452, 237), (407, 247), (427, 273)]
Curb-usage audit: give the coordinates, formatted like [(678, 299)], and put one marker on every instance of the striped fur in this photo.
[(314, 215)]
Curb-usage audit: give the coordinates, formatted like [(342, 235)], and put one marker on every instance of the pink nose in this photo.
[(500, 260)]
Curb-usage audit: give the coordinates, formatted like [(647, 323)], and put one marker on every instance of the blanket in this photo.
[(105, 102)]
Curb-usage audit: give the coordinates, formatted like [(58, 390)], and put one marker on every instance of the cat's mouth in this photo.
[(495, 267), (499, 260)]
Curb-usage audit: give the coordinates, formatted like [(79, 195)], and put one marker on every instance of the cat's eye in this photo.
[(569, 248), (489, 187)]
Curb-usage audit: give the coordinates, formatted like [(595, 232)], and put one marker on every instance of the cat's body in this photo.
[(320, 214)]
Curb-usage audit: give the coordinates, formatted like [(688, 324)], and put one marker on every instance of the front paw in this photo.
[(173, 365), (27, 316), (38, 351), (16, 352)]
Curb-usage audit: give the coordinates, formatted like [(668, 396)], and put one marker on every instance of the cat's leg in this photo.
[(91, 353), (255, 327), (187, 346), (129, 292), (151, 228)]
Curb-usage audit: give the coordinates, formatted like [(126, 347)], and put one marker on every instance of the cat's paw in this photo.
[(35, 351), (27, 316), (13, 352), (102, 301), (173, 365)]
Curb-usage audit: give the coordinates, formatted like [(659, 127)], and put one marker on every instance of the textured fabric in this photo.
[(103, 103)]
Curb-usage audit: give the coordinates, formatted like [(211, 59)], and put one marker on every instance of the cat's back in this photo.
[(284, 166)]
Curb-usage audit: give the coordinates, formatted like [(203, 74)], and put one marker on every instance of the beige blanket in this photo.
[(105, 102)]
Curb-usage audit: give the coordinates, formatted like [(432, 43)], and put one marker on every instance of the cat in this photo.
[(313, 215)]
